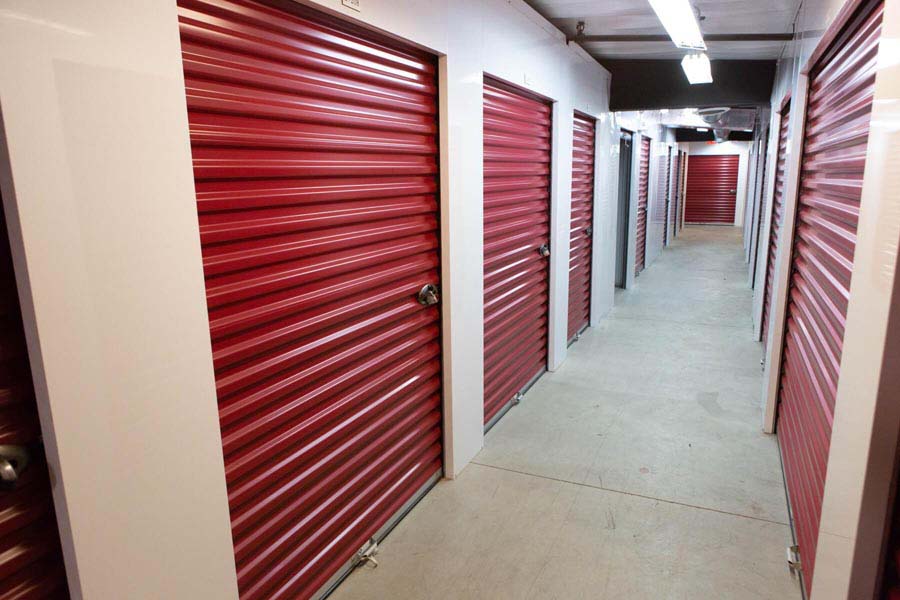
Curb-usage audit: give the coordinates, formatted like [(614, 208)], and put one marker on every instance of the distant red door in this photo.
[(640, 250), (712, 189), (517, 130), (581, 229), (31, 564)]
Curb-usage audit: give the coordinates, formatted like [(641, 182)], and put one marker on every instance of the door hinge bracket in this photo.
[(793, 559), (762, 364), (517, 398), (366, 554)]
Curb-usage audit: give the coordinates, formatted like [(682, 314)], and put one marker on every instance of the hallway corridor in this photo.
[(637, 470)]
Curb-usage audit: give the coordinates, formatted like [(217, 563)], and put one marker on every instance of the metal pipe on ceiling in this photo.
[(709, 37)]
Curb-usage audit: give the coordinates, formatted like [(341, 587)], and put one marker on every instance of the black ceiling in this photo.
[(654, 84), (683, 134)]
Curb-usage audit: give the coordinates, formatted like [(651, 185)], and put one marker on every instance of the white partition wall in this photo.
[(99, 193)]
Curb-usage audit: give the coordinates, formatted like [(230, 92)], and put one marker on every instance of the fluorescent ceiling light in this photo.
[(678, 18), (702, 129), (696, 67)]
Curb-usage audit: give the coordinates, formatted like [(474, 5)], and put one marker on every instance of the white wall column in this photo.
[(99, 193), (606, 212), (560, 226), (462, 257), (775, 339)]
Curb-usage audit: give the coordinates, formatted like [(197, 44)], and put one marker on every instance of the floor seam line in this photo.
[(692, 323), (693, 270), (606, 489), (553, 543)]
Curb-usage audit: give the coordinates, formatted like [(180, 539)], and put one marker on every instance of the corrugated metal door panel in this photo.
[(712, 189), (684, 175), (315, 159), (763, 203), (581, 230), (31, 563), (516, 225), (667, 185), (677, 168), (836, 135), (777, 217), (640, 252)]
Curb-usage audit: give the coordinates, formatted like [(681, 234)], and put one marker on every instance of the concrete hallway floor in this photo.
[(637, 470)]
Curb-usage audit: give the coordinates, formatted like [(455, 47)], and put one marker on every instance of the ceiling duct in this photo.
[(723, 120), (713, 115)]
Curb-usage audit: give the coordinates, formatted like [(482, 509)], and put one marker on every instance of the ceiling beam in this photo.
[(709, 37)]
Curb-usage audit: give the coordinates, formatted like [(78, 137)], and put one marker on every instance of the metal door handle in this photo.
[(429, 295), (13, 460), (589, 231), (732, 191), (544, 250)]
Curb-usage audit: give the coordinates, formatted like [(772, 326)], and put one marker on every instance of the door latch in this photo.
[(13, 460), (429, 295), (544, 250), (367, 553), (589, 231), (793, 559)]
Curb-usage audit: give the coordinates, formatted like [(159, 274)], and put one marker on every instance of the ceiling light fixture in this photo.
[(680, 22), (702, 129), (697, 68)]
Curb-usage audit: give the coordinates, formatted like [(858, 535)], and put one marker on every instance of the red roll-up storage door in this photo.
[(712, 189), (777, 217), (667, 186), (581, 231), (676, 167), (834, 149), (516, 226), (763, 198), (640, 241), (31, 563), (315, 159), (684, 175)]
